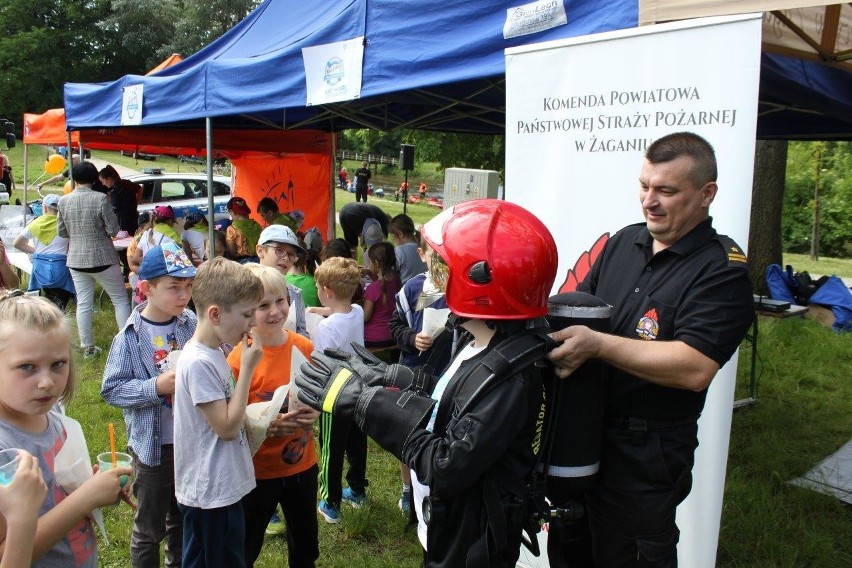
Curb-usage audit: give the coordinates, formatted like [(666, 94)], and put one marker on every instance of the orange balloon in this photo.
[(66, 189), (54, 164)]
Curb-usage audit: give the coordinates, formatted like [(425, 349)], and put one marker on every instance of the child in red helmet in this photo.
[(468, 434)]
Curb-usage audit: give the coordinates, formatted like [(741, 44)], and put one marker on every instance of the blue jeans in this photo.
[(214, 537), (157, 514)]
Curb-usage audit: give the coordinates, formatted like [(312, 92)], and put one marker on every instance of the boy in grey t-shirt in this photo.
[(213, 468)]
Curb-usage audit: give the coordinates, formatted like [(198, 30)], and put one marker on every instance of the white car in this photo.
[(186, 193)]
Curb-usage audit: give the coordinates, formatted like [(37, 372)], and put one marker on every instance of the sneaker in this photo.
[(276, 525), (91, 351), (404, 503), (330, 513), (354, 499)]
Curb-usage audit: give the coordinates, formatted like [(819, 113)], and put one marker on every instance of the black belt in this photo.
[(648, 424)]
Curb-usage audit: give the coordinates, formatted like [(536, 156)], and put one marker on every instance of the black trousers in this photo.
[(361, 192), (645, 473), (339, 437), (297, 495)]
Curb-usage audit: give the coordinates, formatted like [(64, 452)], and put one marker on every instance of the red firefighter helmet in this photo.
[(502, 259)]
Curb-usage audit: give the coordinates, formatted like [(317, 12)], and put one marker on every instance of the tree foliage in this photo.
[(448, 150), (202, 21), (142, 32), (43, 44), (46, 43), (828, 163)]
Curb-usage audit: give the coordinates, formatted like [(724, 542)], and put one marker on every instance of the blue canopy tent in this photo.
[(436, 65)]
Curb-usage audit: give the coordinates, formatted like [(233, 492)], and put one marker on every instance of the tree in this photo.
[(764, 240), (453, 150), (806, 160), (45, 43), (203, 21), (371, 141), (138, 30)]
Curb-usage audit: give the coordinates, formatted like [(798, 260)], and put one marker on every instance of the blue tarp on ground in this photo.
[(436, 65)]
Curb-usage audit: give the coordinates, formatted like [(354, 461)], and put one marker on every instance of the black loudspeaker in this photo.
[(10, 133), (406, 156)]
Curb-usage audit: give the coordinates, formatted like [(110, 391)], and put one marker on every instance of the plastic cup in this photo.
[(121, 459), (9, 460)]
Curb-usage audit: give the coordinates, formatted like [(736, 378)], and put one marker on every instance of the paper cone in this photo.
[(260, 414), (434, 320)]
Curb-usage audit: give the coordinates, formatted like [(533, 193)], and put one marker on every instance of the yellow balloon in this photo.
[(66, 189), (54, 164)]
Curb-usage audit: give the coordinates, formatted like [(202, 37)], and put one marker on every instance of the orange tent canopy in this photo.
[(49, 127), (167, 62)]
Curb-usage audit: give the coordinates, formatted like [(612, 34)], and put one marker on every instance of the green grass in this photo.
[(371, 536), (841, 267), (802, 415)]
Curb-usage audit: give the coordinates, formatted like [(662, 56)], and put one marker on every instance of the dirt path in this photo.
[(123, 171)]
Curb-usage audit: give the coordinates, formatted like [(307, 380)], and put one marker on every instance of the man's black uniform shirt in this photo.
[(696, 291)]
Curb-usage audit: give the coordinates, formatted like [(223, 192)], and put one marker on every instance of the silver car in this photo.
[(186, 193)]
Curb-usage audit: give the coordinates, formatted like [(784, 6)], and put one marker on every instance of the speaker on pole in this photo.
[(406, 157)]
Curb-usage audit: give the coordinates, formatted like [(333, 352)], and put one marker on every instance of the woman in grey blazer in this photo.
[(86, 218)]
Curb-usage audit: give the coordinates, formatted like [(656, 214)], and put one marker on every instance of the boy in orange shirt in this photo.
[(285, 466)]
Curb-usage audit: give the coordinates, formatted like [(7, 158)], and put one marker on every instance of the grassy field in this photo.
[(802, 415), (841, 267)]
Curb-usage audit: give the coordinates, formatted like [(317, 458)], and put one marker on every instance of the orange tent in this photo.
[(292, 167), (167, 62), (49, 127)]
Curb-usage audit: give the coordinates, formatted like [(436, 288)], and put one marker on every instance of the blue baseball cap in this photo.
[(51, 200), (166, 260)]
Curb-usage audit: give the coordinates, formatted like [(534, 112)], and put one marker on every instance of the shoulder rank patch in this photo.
[(736, 256)]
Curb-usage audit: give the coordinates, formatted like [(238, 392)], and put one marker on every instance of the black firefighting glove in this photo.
[(330, 385), (388, 416), (373, 371)]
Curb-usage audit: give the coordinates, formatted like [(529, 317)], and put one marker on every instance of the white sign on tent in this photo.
[(579, 115), (333, 71), (131, 105)]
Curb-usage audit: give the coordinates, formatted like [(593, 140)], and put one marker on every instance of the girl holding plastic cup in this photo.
[(36, 372), (20, 500)]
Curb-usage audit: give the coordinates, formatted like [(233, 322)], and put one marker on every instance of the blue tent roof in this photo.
[(436, 65), (428, 64)]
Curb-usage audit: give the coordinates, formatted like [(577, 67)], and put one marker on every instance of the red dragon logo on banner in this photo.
[(583, 265)]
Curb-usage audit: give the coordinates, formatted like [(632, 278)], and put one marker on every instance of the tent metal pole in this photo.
[(26, 168), (70, 154), (405, 195), (332, 219), (211, 206)]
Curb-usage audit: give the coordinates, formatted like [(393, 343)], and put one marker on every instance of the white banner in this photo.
[(579, 116), (131, 105), (333, 71)]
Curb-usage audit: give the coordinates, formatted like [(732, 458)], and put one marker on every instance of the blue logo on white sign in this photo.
[(132, 105), (333, 71)]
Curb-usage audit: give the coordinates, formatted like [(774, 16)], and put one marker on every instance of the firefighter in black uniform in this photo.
[(682, 303), (468, 435)]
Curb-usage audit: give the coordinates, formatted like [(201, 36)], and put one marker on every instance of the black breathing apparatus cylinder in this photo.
[(576, 405)]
